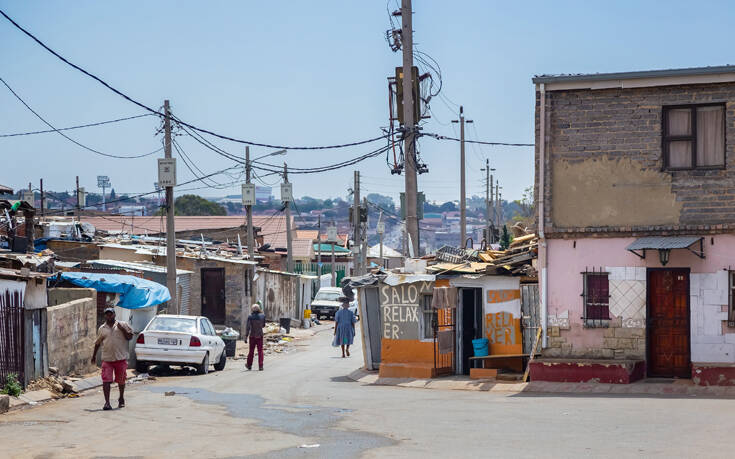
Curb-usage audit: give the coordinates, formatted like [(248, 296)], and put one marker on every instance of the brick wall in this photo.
[(609, 140)]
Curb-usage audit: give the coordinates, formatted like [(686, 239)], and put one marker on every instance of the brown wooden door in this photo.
[(213, 294), (668, 323)]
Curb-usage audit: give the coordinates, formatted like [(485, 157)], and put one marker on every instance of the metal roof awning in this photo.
[(666, 243)]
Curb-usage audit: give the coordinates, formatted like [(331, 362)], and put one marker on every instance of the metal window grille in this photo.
[(12, 349), (596, 298)]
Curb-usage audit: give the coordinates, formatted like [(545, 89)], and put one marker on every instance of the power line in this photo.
[(156, 112), (101, 123), (443, 137), (69, 138)]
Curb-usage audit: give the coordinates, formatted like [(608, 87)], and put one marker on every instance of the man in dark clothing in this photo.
[(254, 335)]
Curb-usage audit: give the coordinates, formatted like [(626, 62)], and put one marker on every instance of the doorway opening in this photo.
[(471, 326), (213, 295)]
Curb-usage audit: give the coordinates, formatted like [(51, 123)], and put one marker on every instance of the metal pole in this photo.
[(462, 191), (289, 241), (170, 226), (357, 257), (251, 237), (412, 223), (491, 208), (104, 203), (381, 230)]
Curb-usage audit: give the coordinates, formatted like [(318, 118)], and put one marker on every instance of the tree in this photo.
[(505, 238), (191, 204), (112, 194), (525, 208)]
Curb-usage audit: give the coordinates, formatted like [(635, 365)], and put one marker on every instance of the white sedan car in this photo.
[(181, 341)]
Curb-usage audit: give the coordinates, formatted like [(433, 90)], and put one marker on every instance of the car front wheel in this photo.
[(141, 367), (203, 368)]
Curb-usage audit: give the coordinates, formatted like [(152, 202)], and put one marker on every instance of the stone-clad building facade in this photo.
[(635, 179)]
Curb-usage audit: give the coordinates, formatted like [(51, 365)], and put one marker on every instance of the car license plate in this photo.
[(170, 341)]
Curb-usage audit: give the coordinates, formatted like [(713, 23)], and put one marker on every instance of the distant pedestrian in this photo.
[(344, 327), (113, 337), (254, 335)]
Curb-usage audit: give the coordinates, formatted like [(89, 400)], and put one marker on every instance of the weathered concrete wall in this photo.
[(124, 254), (604, 165), (279, 294), (74, 250), (58, 296), (71, 332), (711, 339)]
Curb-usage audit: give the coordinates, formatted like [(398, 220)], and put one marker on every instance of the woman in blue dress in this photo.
[(344, 327)]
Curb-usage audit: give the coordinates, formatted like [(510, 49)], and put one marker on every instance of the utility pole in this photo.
[(487, 201), (497, 203), (79, 205), (412, 222), (289, 236), (381, 231), (251, 237), (364, 251), (170, 227), (357, 257), (43, 202), (319, 248), (462, 190), (332, 239)]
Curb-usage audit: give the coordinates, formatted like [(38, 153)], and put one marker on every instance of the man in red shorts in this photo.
[(113, 337)]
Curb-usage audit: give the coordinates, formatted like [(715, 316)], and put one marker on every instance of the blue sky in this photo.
[(314, 73)]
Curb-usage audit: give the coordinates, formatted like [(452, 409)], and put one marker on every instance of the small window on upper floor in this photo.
[(694, 136)]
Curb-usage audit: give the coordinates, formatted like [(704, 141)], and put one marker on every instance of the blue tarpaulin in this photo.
[(135, 292)]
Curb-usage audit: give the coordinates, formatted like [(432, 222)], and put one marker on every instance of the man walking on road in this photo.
[(113, 336), (254, 335)]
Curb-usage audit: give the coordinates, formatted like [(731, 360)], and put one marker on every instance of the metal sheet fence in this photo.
[(11, 336), (531, 315)]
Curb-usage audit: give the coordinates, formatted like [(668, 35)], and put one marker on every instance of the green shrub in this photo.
[(12, 386)]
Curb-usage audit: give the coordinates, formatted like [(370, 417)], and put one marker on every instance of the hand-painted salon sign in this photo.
[(502, 321), (401, 306)]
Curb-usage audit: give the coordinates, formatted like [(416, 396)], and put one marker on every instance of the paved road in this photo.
[(304, 398)]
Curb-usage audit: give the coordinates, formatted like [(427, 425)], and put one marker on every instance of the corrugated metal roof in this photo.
[(691, 71), (663, 242)]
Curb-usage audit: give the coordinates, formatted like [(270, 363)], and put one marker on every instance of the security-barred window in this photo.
[(596, 296), (694, 136), (428, 317)]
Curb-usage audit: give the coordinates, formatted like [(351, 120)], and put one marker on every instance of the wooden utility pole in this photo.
[(319, 248), (381, 231), (251, 236), (43, 201), (462, 183), (334, 241), (170, 226), (289, 236), (356, 248), (363, 233), (411, 201)]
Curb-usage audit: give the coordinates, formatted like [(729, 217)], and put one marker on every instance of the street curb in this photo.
[(675, 389), (37, 397)]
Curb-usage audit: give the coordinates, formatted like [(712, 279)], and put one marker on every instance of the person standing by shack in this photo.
[(344, 326), (113, 337), (254, 336)]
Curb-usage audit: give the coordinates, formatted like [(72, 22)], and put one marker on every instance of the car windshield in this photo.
[(327, 296), (173, 324)]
